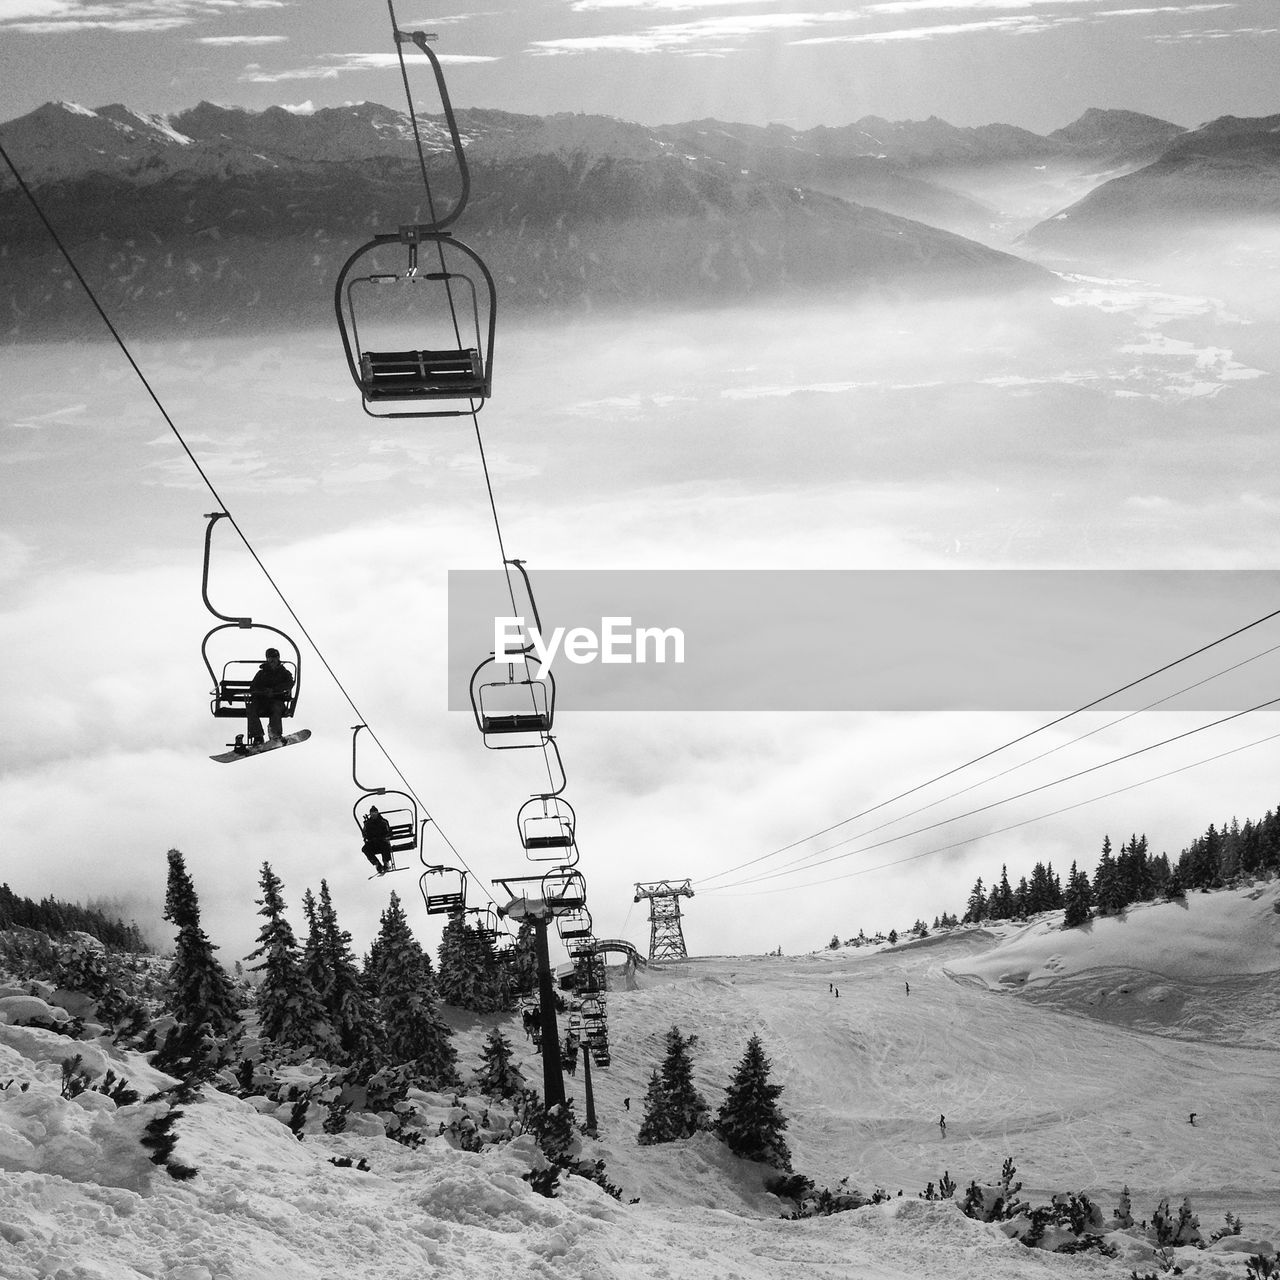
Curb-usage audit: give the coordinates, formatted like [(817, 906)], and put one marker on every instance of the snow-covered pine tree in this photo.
[(199, 992), (470, 974), (749, 1121), (351, 1011), (413, 1033), (522, 969), (492, 985), (288, 1005), (314, 974), (499, 1077), (451, 961)]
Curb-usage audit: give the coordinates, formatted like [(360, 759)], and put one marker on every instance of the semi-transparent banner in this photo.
[(867, 640)]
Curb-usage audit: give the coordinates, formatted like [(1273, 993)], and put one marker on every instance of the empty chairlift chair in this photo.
[(546, 824), (444, 890), (514, 704), (420, 335)]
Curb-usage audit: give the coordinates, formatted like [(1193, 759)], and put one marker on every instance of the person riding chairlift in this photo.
[(376, 831), (268, 694)]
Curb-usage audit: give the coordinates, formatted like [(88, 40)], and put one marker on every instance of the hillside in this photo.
[(1078, 1103), (1225, 173), (220, 216)]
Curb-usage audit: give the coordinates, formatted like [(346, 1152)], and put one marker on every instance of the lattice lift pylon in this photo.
[(666, 938)]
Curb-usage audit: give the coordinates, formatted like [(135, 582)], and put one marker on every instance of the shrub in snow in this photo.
[(160, 1140), (1124, 1210), (812, 1203), (1170, 1229), (1234, 1227)]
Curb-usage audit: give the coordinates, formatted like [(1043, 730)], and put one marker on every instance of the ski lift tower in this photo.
[(666, 939)]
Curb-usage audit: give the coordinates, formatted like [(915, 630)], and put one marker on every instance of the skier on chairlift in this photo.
[(377, 841), (268, 694)]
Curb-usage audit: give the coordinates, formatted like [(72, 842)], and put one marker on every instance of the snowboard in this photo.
[(390, 871), (241, 751)]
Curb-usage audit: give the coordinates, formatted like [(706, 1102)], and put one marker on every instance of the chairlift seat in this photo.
[(440, 903), (561, 841), (421, 375), (231, 700), (516, 722)]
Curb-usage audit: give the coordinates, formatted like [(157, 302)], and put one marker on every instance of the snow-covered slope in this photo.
[(1079, 1104)]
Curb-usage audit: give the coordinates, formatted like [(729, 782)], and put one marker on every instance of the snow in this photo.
[(1078, 1102)]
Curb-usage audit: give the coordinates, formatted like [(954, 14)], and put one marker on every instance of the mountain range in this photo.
[(224, 216), (1224, 172)]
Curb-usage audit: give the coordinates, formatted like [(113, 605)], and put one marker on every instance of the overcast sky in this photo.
[(1035, 63)]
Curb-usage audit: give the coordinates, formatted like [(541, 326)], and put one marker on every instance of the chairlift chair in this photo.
[(546, 822), (513, 708), (564, 889), (448, 896), (417, 338), (229, 698), (574, 924)]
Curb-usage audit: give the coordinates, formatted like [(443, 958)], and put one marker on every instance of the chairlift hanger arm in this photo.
[(528, 586), (368, 791), (564, 780), (213, 517), (420, 39)]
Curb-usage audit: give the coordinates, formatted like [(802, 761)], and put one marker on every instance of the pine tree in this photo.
[(749, 1121), (522, 968), (654, 1127), (499, 1077), (452, 980), (673, 1106), (351, 1013), (412, 1030), (1108, 893), (288, 1005), (199, 991), (977, 904), (1004, 895), (1077, 900), (315, 977)]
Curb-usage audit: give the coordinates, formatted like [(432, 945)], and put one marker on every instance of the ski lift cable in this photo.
[(1044, 786), (195, 462), (986, 755), (1013, 826), (399, 37), (800, 862)]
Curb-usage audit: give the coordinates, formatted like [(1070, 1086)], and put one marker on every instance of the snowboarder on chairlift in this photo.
[(268, 693), (376, 831)]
